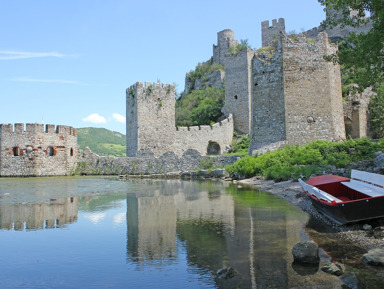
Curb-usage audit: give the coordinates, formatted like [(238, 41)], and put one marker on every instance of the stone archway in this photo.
[(213, 148)]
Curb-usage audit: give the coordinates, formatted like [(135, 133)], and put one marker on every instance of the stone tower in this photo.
[(225, 40), (237, 78), (296, 94), (270, 33), (37, 150), (150, 118)]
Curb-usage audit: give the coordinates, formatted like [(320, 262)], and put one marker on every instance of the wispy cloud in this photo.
[(118, 117), (94, 118), (10, 54), (27, 79)]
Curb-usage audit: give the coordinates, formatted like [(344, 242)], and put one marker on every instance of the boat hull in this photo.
[(349, 212)]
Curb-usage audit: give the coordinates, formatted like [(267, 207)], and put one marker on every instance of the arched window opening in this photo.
[(213, 148), (71, 152), (16, 151), (50, 151)]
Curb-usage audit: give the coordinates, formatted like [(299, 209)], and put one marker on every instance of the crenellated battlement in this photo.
[(268, 33), (36, 128), (214, 126)]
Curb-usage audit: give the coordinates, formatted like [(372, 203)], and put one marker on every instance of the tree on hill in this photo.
[(362, 55)]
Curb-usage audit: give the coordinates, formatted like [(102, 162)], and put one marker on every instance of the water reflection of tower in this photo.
[(151, 224), (166, 211), (49, 214)]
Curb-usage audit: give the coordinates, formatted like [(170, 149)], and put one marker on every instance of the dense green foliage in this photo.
[(204, 69), (200, 107), (234, 50), (240, 144), (376, 109), (362, 55), (102, 141), (295, 161)]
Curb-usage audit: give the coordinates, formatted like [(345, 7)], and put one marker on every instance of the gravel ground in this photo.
[(292, 192)]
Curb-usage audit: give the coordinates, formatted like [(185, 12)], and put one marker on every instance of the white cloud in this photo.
[(9, 54), (119, 218), (118, 117), (96, 217), (26, 79), (94, 118)]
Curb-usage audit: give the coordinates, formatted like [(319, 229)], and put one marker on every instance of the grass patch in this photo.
[(293, 162)]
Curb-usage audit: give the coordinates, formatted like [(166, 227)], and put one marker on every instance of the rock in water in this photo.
[(333, 269), (350, 280), (374, 257), (226, 273), (306, 253)]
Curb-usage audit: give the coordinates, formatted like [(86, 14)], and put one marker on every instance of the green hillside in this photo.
[(102, 141)]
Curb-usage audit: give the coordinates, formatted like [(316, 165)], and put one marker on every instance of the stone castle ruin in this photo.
[(284, 93), (37, 151), (151, 124)]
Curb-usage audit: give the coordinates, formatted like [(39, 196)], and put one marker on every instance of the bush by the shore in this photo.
[(297, 161)]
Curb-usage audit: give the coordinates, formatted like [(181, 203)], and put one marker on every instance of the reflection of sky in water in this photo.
[(142, 234)]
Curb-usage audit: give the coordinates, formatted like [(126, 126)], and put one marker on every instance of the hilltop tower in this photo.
[(237, 78), (225, 40), (269, 33), (37, 151)]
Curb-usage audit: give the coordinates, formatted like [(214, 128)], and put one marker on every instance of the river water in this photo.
[(95, 232)]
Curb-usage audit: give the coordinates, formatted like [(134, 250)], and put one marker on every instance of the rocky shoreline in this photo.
[(365, 235)]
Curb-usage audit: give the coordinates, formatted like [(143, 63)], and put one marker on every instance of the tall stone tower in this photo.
[(237, 78), (150, 118), (296, 94)]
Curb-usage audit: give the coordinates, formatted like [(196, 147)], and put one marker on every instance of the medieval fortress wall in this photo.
[(151, 124), (37, 151), (284, 93)]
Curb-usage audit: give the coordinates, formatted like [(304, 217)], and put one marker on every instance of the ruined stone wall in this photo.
[(269, 33), (151, 124), (150, 118), (312, 89), (206, 139), (36, 151), (238, 96), (147, 163), (356, 113), (268, 121)]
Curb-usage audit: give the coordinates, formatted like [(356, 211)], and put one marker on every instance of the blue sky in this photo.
[(69, 62)]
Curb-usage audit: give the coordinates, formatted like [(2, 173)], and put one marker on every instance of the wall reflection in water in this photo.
[(36, 216), (219, 226)]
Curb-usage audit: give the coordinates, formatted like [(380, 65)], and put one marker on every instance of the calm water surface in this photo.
[(93, 232)]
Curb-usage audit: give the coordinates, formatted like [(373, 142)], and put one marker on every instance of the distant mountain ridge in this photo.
[(102, 141)]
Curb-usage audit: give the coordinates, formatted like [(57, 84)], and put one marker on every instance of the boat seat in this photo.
[(319, 194), (365, 188)]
